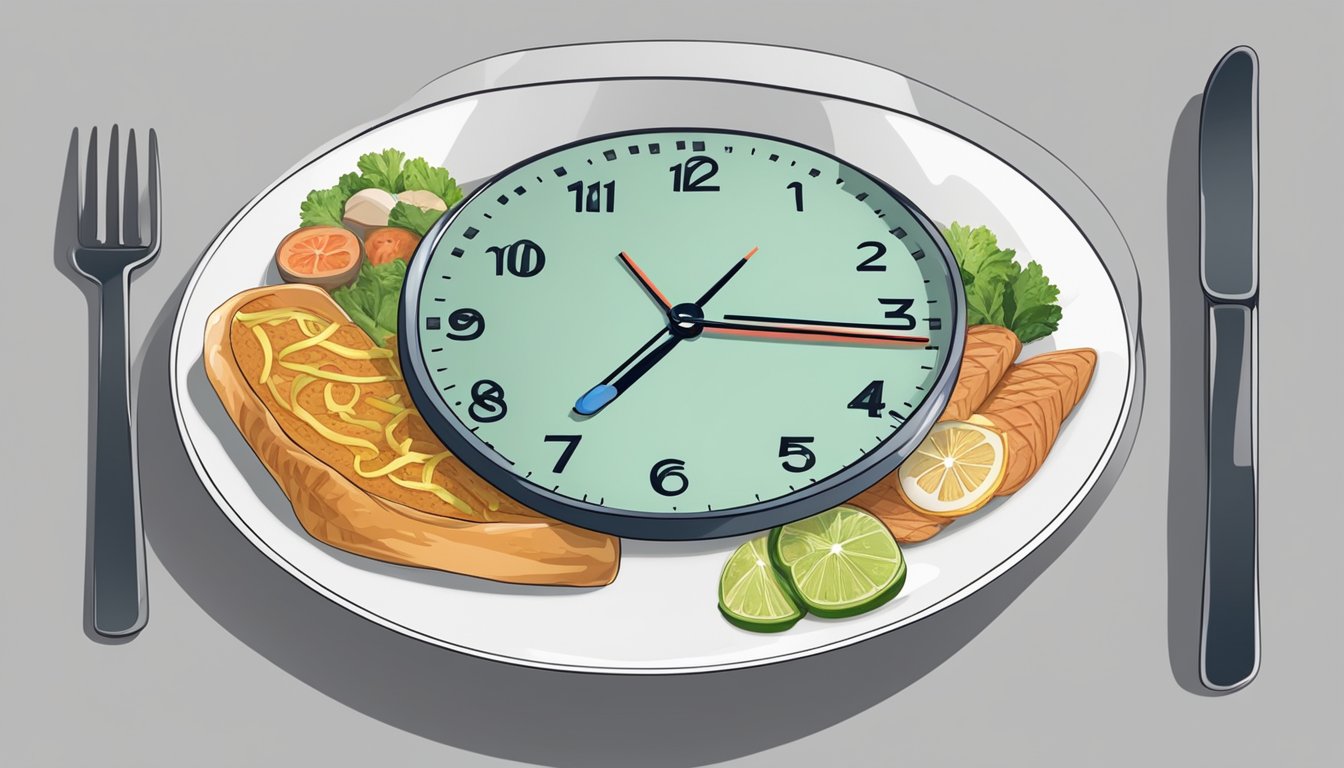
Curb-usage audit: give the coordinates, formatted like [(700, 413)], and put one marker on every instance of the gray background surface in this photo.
[(1080, 656)]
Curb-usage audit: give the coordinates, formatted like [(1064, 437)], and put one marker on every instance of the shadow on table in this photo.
[(1186, 493), (511, 712)]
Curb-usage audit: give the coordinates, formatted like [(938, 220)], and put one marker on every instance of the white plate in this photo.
[(660, 615)]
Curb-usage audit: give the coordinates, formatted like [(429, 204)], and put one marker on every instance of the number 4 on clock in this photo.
[(870, 399)]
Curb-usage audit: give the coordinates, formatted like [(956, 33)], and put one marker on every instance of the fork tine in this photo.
[(155, 202), (113, 222), (88, 213), (130, 199)]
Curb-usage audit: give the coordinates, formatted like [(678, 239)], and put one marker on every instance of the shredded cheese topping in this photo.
[(317, 332)]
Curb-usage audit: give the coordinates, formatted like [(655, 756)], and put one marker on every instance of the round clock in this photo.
[(682, 333)]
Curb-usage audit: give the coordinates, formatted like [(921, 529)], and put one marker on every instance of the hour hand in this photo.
[(626, 374)]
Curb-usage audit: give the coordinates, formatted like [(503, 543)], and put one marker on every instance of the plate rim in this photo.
[(1110, 461)]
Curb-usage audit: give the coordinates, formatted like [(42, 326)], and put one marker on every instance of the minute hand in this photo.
[(792, 328)]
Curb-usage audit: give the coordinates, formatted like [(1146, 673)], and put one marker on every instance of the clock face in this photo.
[(682, 333)]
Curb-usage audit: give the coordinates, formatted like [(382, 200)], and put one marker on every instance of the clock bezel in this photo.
[(829, 491)]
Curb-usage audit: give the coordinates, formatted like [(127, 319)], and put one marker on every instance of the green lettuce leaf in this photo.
[(419, 174), (984, 301), (373, 299), (998, 290), (413, 218), (351, 183), (323, 208), (383, 169), (1036, 313)]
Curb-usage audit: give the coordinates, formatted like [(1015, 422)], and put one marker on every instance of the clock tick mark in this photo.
[(502, 199), (590, 161), (681, 145), (814, 173), (560, 172), (654, 149), (539, 181), (520, 191), (633, 149), (440, 370), (935, 323), (927, 367), (697, 146), (757, 495), (459, 402), (458, 252), (471, 233), (728, 150), (529, 474), (488, 216), (917, 255), (792, 163), (774, 158), (436, 350), (440, 298), (432, 323), (861, 196), (898, 232), (610, 154)]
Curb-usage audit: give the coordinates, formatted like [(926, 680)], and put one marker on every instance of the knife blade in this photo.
[(1229, 274)]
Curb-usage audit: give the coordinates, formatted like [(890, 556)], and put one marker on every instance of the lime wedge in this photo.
[(841, 562), (752, 595)]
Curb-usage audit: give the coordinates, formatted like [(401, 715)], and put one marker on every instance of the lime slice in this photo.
[(752, 595), (841, 563)]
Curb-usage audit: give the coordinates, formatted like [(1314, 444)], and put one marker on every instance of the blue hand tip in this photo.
[(594, 399)]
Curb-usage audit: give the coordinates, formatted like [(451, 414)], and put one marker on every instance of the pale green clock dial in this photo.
[(522, 316)]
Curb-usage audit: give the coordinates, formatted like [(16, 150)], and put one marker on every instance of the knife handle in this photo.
[(1230, 637)]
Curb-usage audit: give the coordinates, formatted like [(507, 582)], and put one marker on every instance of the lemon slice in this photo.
[(955, 471), (752, 595)]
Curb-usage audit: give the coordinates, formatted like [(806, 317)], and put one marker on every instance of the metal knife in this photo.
[(1229, 271)]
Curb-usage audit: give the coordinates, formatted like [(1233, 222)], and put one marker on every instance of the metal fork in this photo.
[(120, 601)]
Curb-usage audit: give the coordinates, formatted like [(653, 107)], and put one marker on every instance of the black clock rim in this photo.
[(830, 491)]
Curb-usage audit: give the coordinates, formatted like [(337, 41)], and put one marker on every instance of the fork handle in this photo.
[(120, 602)]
